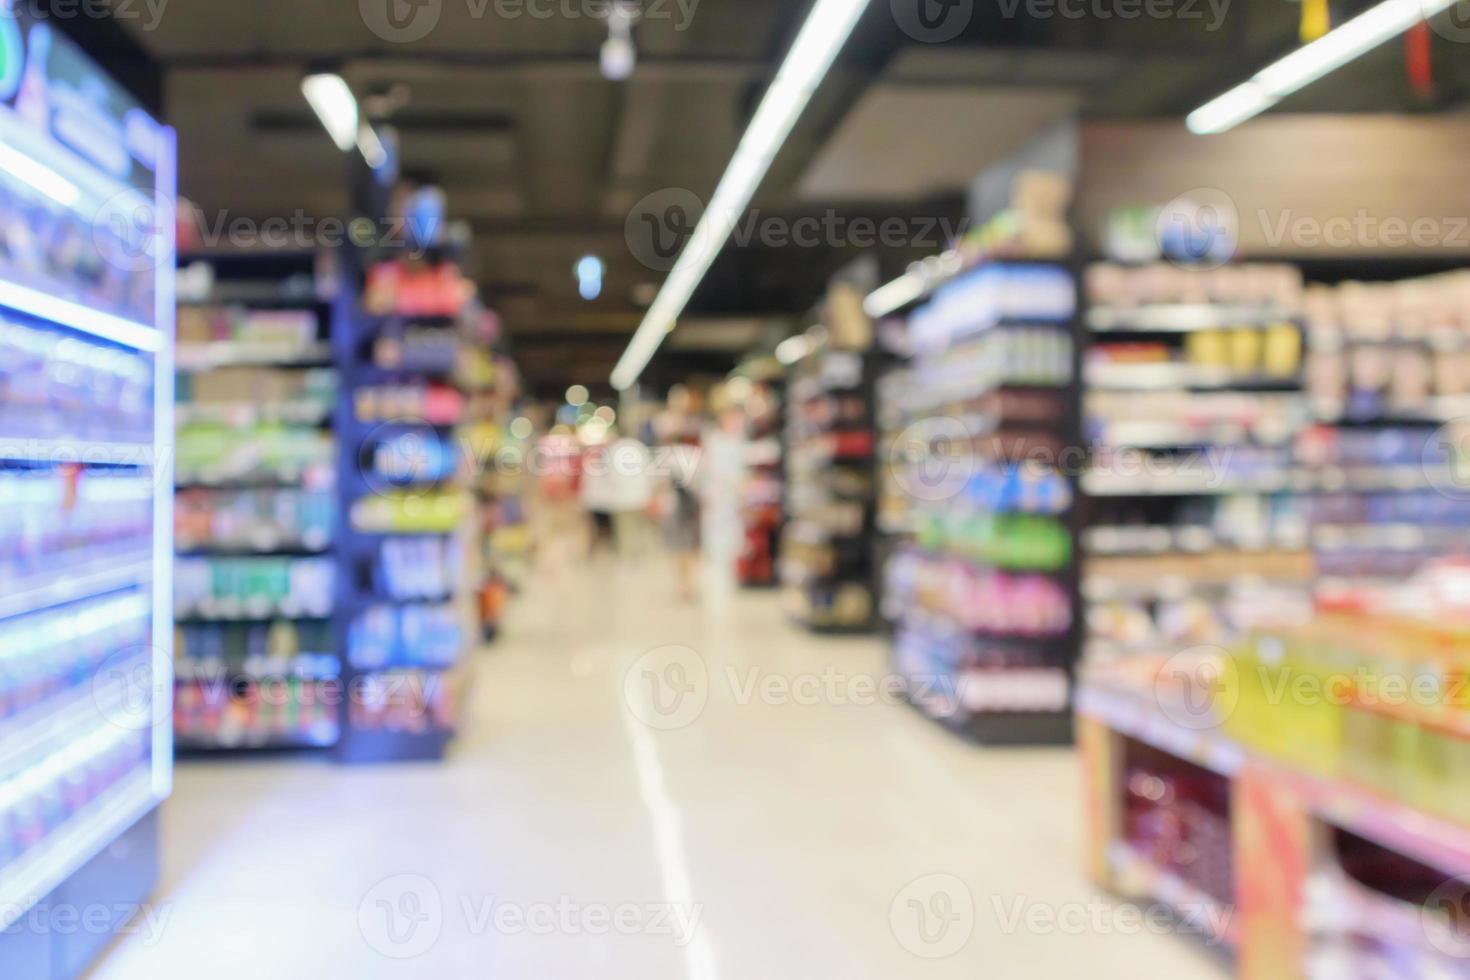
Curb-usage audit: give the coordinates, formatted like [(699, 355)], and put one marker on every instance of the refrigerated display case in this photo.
[(87, 177)]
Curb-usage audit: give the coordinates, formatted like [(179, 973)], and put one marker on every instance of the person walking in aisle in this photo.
[(679, 428), (599, 498), (556, 512), (630, 476)]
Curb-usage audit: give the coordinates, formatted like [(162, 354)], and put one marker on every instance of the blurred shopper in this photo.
[(631, 471), (599, 498), (557, 514), (679, 430)]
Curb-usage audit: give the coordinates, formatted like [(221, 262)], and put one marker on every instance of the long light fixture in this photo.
[(39, 176), (826, 29), (920, 279), (335, 105), (1308, 63)]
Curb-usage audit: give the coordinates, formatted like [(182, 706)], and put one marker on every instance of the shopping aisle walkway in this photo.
[(765, 825)]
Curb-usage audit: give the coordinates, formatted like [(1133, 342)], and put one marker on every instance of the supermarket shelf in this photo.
[(249, 413), (1098, 483), (1169, 588), (1439, 843), (222, 354), (1444, 408), (242, 611), (1138, 717), (358, 745), (1170, 375), (55, 587), (1159, 539), (280, 479), (90, 452), (1004, 727), (1163, 539), (271, 743), (1390, 537), (1137, 876), (1183, 317), (38, 872), (54, 721), (84, 319), (190, 548), (1169, 434)]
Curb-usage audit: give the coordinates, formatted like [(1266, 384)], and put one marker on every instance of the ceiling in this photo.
[(549, 161)]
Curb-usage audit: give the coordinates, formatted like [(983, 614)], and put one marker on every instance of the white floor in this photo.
[(769, 823)]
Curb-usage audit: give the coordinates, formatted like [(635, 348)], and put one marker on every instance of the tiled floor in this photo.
[(729, 805)]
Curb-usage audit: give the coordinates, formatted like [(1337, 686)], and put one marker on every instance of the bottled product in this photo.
[(233, 588)]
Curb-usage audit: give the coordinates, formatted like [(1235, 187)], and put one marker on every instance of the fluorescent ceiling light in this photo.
[(1308, 63), (335, 106), (920, 278), (826, 29), (900, 292), (793, 349), (39, 176), (371, 147)]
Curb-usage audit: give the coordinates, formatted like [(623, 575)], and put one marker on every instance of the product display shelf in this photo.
[(981, 503), (763, 486), (1388, 379), (496, 560), (404, 613), (255, 667), (86, 527), (1279, 814), (826, 561), (1194, 410)]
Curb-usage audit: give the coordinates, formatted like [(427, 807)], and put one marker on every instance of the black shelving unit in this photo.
[(407, 697), (219, 706), (972, 687), (839, 561)]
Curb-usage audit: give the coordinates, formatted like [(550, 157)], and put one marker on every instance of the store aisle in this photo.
[(785, 830)]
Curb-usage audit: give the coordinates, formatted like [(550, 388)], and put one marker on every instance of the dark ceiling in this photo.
[(546, 158)]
